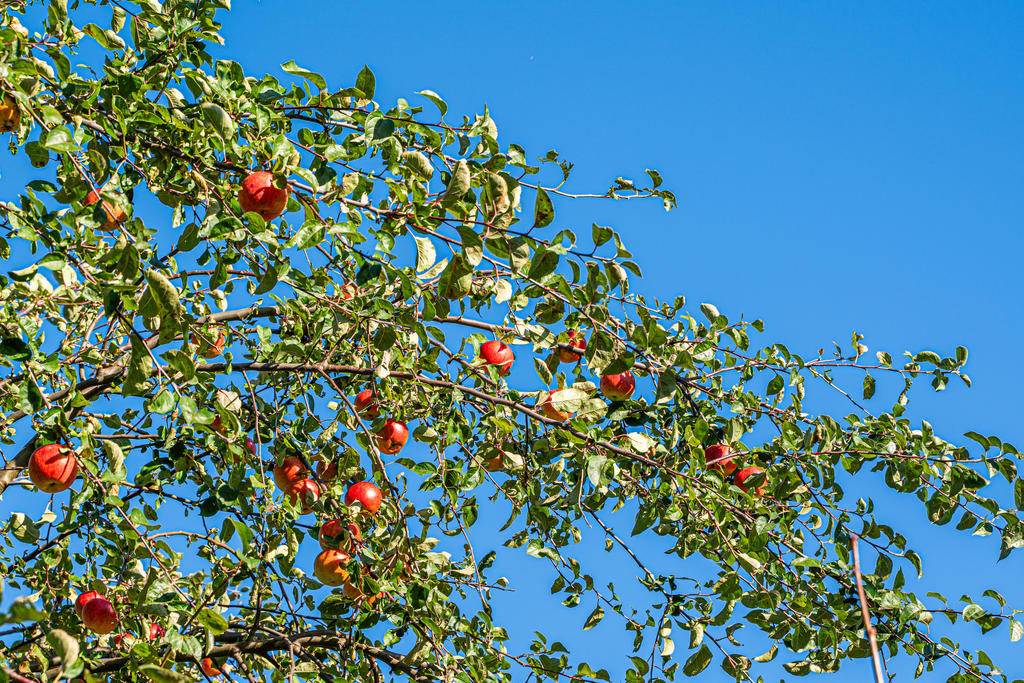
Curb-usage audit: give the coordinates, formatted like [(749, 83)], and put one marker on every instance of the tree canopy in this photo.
[(277, 347)]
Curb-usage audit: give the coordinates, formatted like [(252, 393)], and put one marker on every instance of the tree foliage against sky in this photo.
[(184, 348)]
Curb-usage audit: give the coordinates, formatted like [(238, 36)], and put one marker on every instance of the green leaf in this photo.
[(213, 621), (594, 619), (30, 398), (67, 647), (316, 79), (698, 661), (15, 349), (436, 99), (543, 210), (219, 120), (23, 528), (869, 386), (425, 253), (366, 83), (158, 674)]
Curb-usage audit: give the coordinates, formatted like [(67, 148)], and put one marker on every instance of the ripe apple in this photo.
[(208, 349), (125, 639), (367, 494), (333, 533), (497, 353), (494, 464), (53, 468), (250, 446), (259, 195), (303, 493), (354, 592), (156, 631), (720, 457), (392, 436), (549, 411), (115, 214), (98, 616), (288, 472), (575, 338), (84, 598), (366, 404), (327, 471), (329, 567), (10, 115), (618, 387), (349, 291), (748, 472), (209, 667)]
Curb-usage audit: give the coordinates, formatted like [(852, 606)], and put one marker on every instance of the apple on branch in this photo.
[(53, 468), (497, 353), (618, 387), (392, 437), (366, 494), (259, 195)]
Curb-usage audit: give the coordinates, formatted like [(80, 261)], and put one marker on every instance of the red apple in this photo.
[(115, 214), (551, 412), (208, 349), (84, 598), (494, 464), (349, 291), (392, 436), (575, 338), (332, 534), (618, 387), (747, 473), (720, 457), (53, 468), (365, 493), (329, 567), (98, 616), (156, 631), (497, 353), (125, 639), (259, 195), (366, 405), (354, 592), (327, 471), (303, 493), (209, 667), (288, 472), (250, 446)]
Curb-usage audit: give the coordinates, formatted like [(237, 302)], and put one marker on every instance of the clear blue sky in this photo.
[(837, 167)]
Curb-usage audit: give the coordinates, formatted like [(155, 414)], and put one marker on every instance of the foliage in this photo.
[(408, 240)]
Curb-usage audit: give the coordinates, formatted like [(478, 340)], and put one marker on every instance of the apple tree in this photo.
[(275, 351)]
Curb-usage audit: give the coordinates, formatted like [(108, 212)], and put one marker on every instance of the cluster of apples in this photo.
[(722, 458), (616, 387), (337, 538)]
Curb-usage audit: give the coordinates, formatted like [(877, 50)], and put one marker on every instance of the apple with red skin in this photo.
[(349, 291), (329, 567), (303, 493), (497, 353), (288, 472), (366, 404), (99, 616), (258, 195), (618, 387), (208, 349), (250, 446), (332, 533), (392, 437), (53, 468), (84, 598), (747, 473), (209, 668), (720, 457), (327, 471), (354, 592), (575, 338), (367, 494), (156, 631), (549, 411), (115, 214)]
